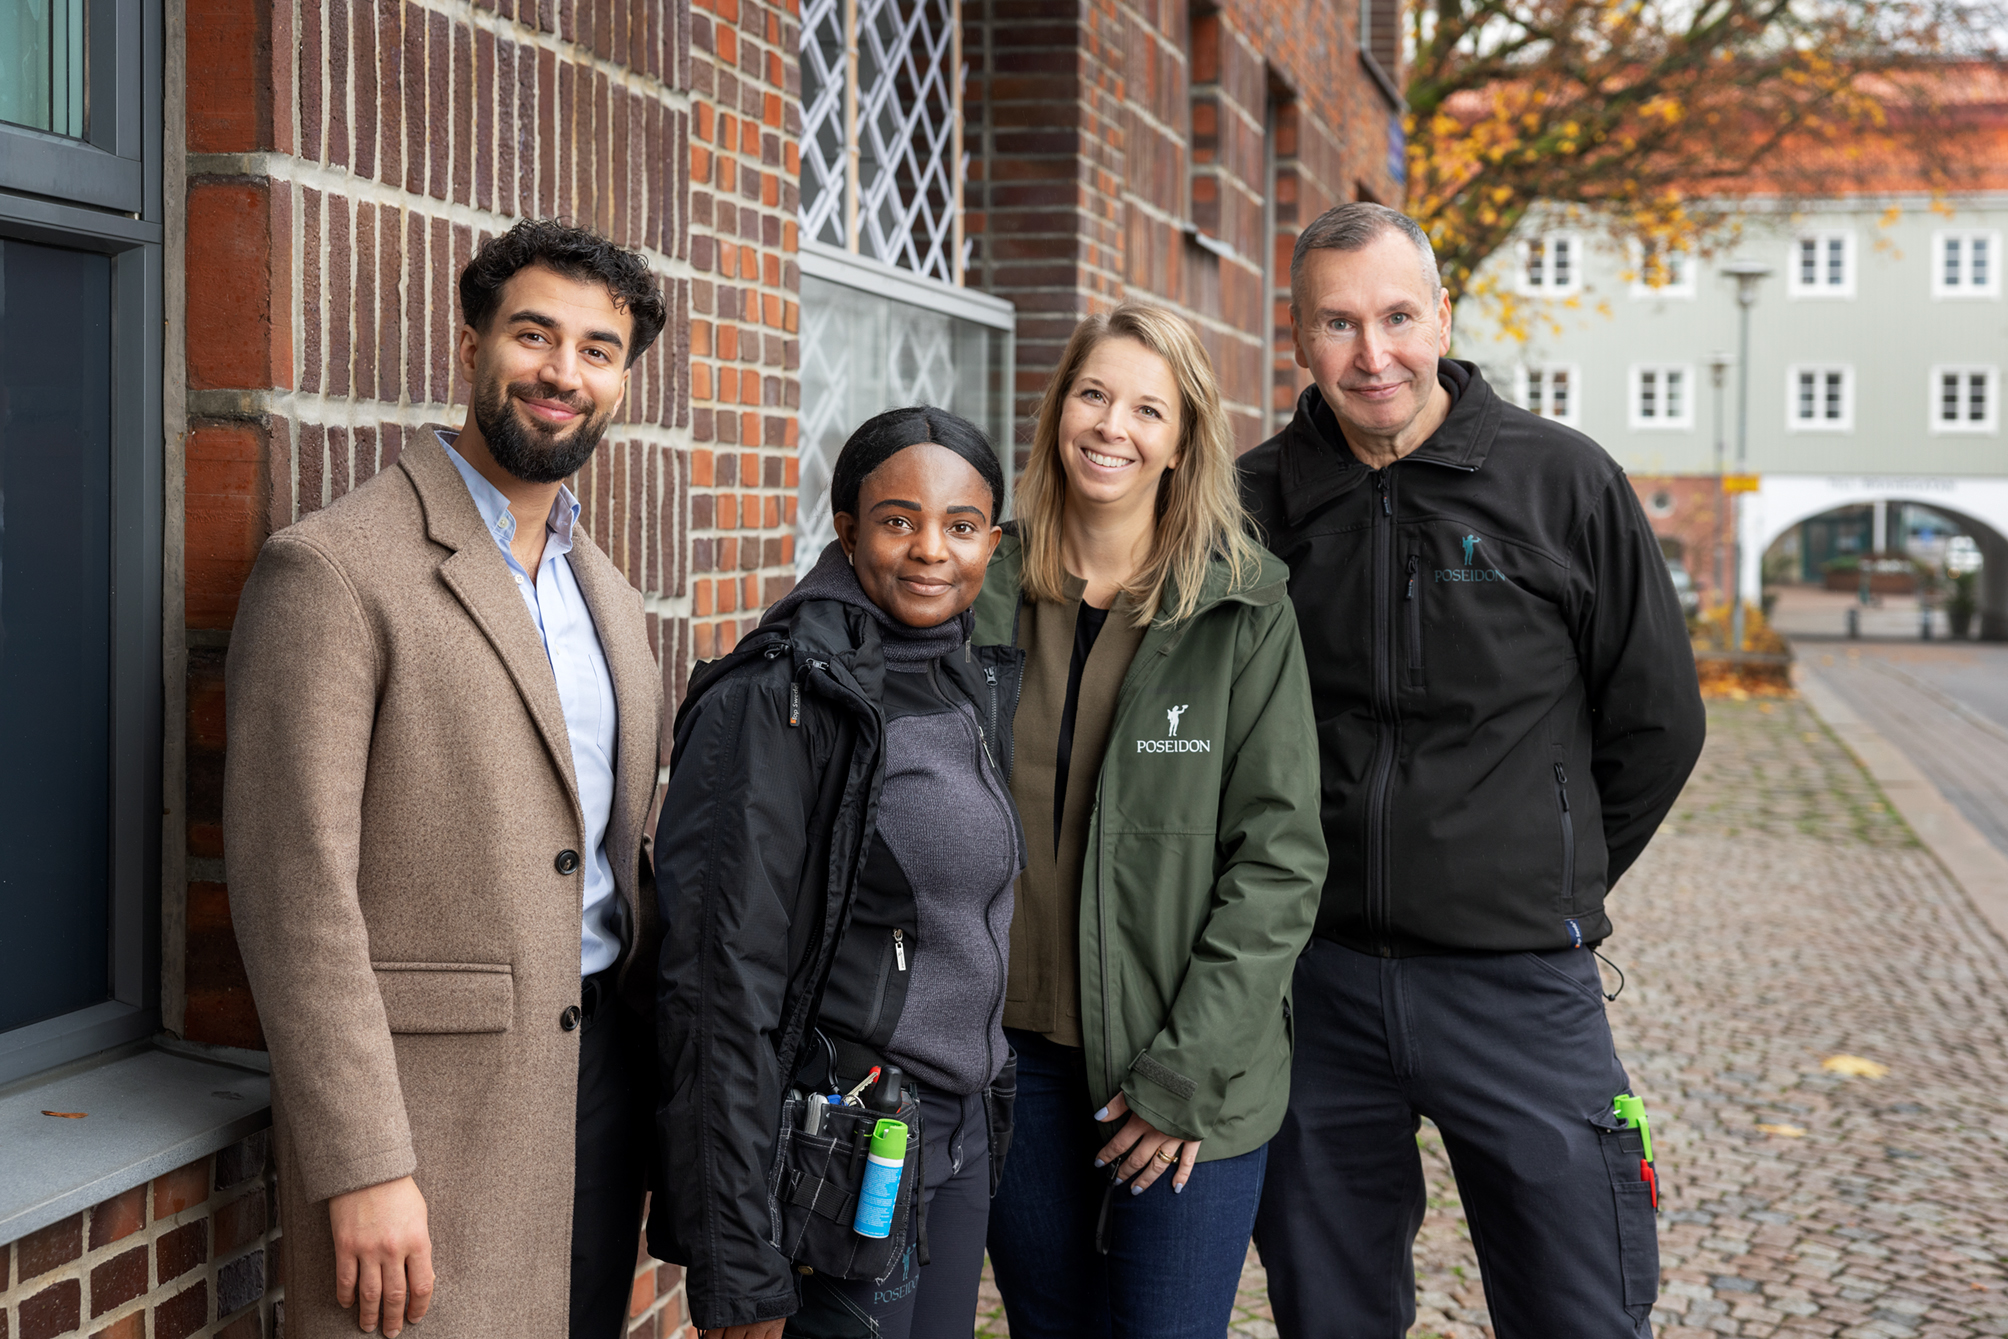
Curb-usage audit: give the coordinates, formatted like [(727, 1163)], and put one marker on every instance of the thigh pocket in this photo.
[(1637, 1223), (1638, 1243)]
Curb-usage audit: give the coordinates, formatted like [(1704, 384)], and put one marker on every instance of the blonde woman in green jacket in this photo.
[(1166, 769)]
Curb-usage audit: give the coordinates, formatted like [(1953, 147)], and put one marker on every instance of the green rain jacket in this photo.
[(1205, 861)]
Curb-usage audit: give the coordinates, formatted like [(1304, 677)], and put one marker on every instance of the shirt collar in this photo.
[(494, 507)]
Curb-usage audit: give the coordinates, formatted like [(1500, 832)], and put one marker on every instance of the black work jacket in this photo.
[(766, 827), (1504, 687)]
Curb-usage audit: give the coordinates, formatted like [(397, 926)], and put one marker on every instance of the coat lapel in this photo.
[(477, 574)]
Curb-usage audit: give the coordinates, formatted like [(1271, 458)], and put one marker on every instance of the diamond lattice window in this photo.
[(882, 131)]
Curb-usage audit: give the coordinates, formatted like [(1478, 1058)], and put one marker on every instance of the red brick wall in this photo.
[(745, 81), (1685, 507), (194, 1252), (1098, 131)]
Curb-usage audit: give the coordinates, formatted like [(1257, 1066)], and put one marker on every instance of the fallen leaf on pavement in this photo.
[(1789, 1131), (67, 1115), (1854, 1066)]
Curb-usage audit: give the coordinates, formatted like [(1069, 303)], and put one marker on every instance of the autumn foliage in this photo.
[(1648, 121)]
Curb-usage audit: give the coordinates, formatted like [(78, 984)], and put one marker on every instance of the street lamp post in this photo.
[(1747, 274), (1718, 369)]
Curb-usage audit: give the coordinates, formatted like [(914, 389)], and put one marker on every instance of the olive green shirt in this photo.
[(1044, 991)]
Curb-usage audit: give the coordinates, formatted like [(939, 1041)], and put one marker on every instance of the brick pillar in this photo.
[(745, 386), (1102, 136)]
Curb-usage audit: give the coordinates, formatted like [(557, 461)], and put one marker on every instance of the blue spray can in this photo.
[(879, 1195)]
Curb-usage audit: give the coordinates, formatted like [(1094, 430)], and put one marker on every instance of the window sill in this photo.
[(148, 1110)]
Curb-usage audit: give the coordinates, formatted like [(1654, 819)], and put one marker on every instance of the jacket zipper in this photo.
[(996, 953), (899, 948), (1413, 600), (1385, 727), (1568, 837)]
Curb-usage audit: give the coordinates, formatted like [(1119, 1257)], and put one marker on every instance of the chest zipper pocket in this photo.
[(885, 971), (1412, 616), (1568, 837)]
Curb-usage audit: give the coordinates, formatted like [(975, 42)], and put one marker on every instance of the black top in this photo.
[(1505, 696), (1087, 627)]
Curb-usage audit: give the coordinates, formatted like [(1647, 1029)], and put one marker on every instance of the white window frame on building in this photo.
[(1833, 258), (1824, 398), (1680, 267), (1660, 396), (1551, 265), (1972, 386), (1539, 386), (882, 131), (1954, 253), (886, 321)]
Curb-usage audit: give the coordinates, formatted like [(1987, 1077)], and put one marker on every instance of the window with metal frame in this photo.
[(80, 526), (1962, 399), (1662, 396), (1820, 398), (1966, 264), (1551, 391), (882, 131), (1551, 264), (1822, 264)]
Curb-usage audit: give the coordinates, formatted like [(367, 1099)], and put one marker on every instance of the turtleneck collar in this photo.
[(903, 647)]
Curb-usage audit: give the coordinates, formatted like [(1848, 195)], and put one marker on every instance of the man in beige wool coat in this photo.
[(443, 714)]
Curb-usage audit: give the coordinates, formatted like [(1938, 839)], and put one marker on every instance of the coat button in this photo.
[(567, 862), (569, 1020)]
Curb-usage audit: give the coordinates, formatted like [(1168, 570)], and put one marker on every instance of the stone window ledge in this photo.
[(146, 1111)]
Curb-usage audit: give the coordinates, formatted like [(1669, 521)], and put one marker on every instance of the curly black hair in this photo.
[(575, 253)]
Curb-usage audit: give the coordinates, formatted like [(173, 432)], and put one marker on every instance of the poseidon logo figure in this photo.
[(1172, 715)]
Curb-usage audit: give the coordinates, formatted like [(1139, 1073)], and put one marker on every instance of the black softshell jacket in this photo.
[(767, 825), (1504, 688)]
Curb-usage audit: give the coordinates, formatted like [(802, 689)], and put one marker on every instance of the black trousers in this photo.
[(1511, 1056), (611, 1160)]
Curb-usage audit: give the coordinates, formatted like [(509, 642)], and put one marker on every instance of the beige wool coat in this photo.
[(398, 789)]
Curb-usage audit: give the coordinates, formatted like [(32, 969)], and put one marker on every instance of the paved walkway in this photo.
[(1784, 917), (1944, 705)]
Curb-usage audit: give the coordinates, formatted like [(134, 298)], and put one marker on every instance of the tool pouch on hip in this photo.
[(812, 1192)]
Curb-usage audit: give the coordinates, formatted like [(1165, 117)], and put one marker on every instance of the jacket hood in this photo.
[(1316, 464)]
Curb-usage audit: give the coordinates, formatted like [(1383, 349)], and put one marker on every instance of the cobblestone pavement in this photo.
[(1782, 918)]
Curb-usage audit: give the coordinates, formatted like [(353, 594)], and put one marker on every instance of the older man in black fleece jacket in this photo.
[(1507, 708)]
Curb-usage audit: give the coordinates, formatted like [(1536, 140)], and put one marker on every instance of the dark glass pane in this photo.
[(42, 64), (55, 630)]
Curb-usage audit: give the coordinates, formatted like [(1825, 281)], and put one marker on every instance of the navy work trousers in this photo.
[(1174, 1260), (1511, 1056)]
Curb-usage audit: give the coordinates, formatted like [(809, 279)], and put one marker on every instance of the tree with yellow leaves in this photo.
[(1645, 117)]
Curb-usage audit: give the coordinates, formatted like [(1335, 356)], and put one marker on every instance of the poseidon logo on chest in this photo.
[(1171, 743), (1470, 544)]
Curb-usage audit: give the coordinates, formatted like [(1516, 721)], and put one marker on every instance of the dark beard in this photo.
[(533, 454)]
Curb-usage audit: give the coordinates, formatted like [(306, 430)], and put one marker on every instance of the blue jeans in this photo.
[(1174, 1260)]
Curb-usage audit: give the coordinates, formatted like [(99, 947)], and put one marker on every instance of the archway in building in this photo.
[(1979, 506)]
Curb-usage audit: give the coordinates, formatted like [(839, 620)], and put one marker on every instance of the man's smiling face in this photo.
[(547, 373), (1370, 325)]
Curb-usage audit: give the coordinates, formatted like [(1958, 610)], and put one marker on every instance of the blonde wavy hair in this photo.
[(1199, 511)]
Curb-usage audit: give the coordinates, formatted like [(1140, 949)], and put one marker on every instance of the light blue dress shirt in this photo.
[(585, 690)]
